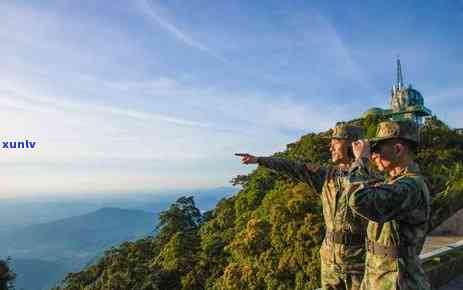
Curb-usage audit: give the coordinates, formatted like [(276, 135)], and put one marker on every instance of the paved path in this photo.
[(435, 242), (455, 284)]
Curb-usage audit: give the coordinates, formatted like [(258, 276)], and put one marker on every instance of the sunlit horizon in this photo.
[(150, 96)]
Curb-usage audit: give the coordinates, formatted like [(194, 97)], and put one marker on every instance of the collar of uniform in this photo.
[(358, 164), (411, 169)]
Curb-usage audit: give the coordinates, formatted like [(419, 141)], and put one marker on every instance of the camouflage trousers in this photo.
[(333, 279)]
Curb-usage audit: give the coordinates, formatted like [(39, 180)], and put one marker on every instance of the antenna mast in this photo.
[(400, 79)]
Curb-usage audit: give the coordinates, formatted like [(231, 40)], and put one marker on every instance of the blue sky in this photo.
[(140, 96)]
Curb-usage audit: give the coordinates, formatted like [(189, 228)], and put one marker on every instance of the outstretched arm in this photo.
[(313, 175)]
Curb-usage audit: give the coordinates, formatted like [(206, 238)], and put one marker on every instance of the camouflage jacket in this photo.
[(335, 190), (398, 212)]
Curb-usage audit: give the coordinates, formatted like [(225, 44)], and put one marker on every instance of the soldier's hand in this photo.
[(247, 158), (361, 149)]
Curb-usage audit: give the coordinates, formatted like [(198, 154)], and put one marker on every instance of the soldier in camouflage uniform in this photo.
[(343, 249), (398, 209)]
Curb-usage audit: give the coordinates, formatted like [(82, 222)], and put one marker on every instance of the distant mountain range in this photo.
[(49, 238), (43, 253), (20, 212), (84, 234)]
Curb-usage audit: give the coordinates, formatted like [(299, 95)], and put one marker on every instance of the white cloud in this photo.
[(157, 13), (85, 146), (334, 49), (123, 133)]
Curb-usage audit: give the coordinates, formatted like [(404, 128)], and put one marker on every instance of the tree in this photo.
[(240, 179), (7, 277), (265, 237), (182, 216)]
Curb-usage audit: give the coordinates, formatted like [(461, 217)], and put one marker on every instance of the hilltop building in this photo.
[(406, 103)]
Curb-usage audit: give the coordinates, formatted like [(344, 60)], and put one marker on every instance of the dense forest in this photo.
[(265, 237)]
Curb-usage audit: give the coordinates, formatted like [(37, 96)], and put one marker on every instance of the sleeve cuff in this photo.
[(262, 160)]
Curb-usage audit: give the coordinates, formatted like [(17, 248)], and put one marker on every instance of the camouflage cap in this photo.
[(405, 130), (347, 132)]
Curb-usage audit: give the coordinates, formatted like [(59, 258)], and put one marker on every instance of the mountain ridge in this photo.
[(70, 243), (266, 236)]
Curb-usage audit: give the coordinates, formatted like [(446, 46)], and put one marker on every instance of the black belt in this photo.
[(388, 251), (345, 238)]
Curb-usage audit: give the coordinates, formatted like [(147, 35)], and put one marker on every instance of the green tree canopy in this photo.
[(265, 237)]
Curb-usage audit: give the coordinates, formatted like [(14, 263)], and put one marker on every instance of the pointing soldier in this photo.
[(343, 250), (398, 209)]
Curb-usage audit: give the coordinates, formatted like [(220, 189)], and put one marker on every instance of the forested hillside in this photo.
[(265, 237)]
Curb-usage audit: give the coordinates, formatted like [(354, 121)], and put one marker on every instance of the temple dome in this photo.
[(406, 97), (406, 103), (414, 97)]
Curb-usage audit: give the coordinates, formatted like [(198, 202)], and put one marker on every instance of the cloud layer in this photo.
[(154, 95)]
